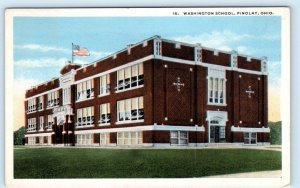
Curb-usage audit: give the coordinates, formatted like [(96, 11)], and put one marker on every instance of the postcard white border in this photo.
[(284, 12)]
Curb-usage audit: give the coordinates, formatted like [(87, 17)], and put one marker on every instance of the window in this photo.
[(31, 105), (222, 132), (216, 89), (85, 117), (104, 86), (85, 90), (84, 139), (49, 122), (104, 114), (31, 126), (249, 138), (130, 109), (179, 137), (40, 103), (31, 140), (41, 139), (41, 123), (129, 138), (130, 77), (53, 99), (104, 138), (66, 96)]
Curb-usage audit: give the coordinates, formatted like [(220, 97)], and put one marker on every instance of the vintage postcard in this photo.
[(147, 97)]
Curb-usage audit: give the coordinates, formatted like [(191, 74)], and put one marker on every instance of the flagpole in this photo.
[(72, 53)]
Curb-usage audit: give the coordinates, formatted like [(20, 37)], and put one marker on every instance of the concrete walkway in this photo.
[(262, 174)]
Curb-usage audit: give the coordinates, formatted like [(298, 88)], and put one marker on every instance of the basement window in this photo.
[(179, 137), (250, 138)]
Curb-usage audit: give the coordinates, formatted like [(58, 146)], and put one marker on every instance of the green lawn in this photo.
[(139, 163)]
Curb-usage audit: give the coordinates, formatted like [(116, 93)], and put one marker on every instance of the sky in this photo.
[(42, 45)]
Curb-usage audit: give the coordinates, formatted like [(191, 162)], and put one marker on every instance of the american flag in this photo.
[(80, 51)]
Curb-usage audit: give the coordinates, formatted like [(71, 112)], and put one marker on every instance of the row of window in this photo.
[(123, 138), (52, 100), (132, 138), (129, 77), (39, 140), (32, 123), (128, 110)]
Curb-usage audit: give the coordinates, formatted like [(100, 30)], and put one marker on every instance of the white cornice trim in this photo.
[(40, 134), (247, 129), (144, 128), (209, 65)]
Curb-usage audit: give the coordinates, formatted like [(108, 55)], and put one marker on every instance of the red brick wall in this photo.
[(178, 107), (253, 64), (184, 52), (220, 59)]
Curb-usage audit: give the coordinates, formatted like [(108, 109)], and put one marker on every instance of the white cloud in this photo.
[(224, 40), (215, 39), (42, 62), (42, 48)]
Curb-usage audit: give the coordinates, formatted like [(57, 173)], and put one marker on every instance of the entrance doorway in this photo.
[(216, 121), (217, 134)]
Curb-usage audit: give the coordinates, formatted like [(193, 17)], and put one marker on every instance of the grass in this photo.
[(139, 163)]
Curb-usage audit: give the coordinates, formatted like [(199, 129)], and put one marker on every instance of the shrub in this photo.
[(275, 133)]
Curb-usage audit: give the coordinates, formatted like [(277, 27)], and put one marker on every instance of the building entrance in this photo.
[(217, 134)]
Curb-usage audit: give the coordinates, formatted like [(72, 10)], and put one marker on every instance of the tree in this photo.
[(275, 132), (19, 136)]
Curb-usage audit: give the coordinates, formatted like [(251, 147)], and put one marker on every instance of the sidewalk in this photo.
[(262, 174)]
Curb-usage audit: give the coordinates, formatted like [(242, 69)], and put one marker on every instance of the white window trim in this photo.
[(128, 89), (127, 122), (103, 95), (86, 126), (104, 124)]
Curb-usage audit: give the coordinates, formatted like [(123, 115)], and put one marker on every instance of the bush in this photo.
[(19, 136), (275, 133)]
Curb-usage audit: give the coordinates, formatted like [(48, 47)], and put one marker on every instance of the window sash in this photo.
[(216, 90), (130, 77), (130, 138), (85, 90), (130, 109)]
